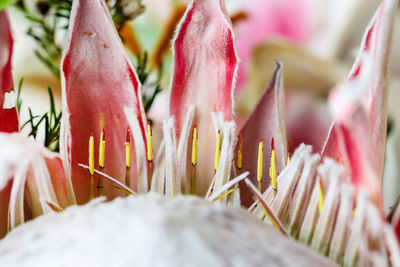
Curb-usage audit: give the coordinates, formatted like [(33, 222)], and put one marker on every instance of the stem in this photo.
[(91, 194), (100, 185), (193, 181), (150, 174), (128, 179)]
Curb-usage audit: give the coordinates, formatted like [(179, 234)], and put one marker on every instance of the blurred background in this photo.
[(316, 40)]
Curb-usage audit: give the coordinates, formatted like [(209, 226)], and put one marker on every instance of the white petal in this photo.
[(150, 230)]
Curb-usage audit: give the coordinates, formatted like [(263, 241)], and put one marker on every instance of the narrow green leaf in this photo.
[(5, 3)]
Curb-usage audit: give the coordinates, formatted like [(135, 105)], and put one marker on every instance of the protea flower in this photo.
[(332, 207)]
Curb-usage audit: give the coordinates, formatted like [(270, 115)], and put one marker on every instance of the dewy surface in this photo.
[(151, 230)]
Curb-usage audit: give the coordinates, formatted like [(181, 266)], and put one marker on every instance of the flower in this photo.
[(151, 230), (268, 18), (338, 210), (315, 200)]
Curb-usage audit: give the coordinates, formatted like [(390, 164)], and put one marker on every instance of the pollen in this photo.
[(240, 155), (194, 146), (272, 168), (91, 154), (102, 149), (260, 163), (128, 159), (128, 149), (320, 195), (91, 165), (149, 143), (217, 150)]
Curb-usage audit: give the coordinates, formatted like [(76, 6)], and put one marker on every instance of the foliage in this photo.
[(5, 3), (51, 120), (149, 88)]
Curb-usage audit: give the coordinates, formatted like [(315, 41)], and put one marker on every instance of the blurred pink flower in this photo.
[(269, 18)]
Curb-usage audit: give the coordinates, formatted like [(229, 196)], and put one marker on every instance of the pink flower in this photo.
[(269, 18), (336, 209)]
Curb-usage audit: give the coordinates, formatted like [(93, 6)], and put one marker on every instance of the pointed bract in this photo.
[(266, 122), (365, 94), (8, 113), (205, 65), (98, 82)]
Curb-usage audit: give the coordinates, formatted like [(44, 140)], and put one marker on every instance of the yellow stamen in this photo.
[(91, 166), (128, 160), (260, 164), (288, 154), (272, 168), (194, 161), (239, 155), (128, 155), (320, 195), (239, 162), (217, 150), (91, 154), (128, 149), (102, 150), (194, 146), (226, 193), (149, 143)]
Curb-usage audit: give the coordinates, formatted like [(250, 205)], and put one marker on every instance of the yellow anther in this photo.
[(128, 155), (288, 154), (128, 149), (260, 164), (272, 168), (194, 146), (102, 150), (217, 150), (320, 196), (240, 155), (239, 159), (91, 154), (149, 143), (353, 213)]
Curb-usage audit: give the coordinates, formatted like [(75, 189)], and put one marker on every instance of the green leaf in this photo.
[(5, 3)]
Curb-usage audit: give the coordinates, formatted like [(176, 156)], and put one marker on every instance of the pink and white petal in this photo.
[(8, 115), (267, 121), (4, 203), (368, 83), (62, 186), (350, 143), (98, 82), (205, 64), (31, 168), (9, 120)]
